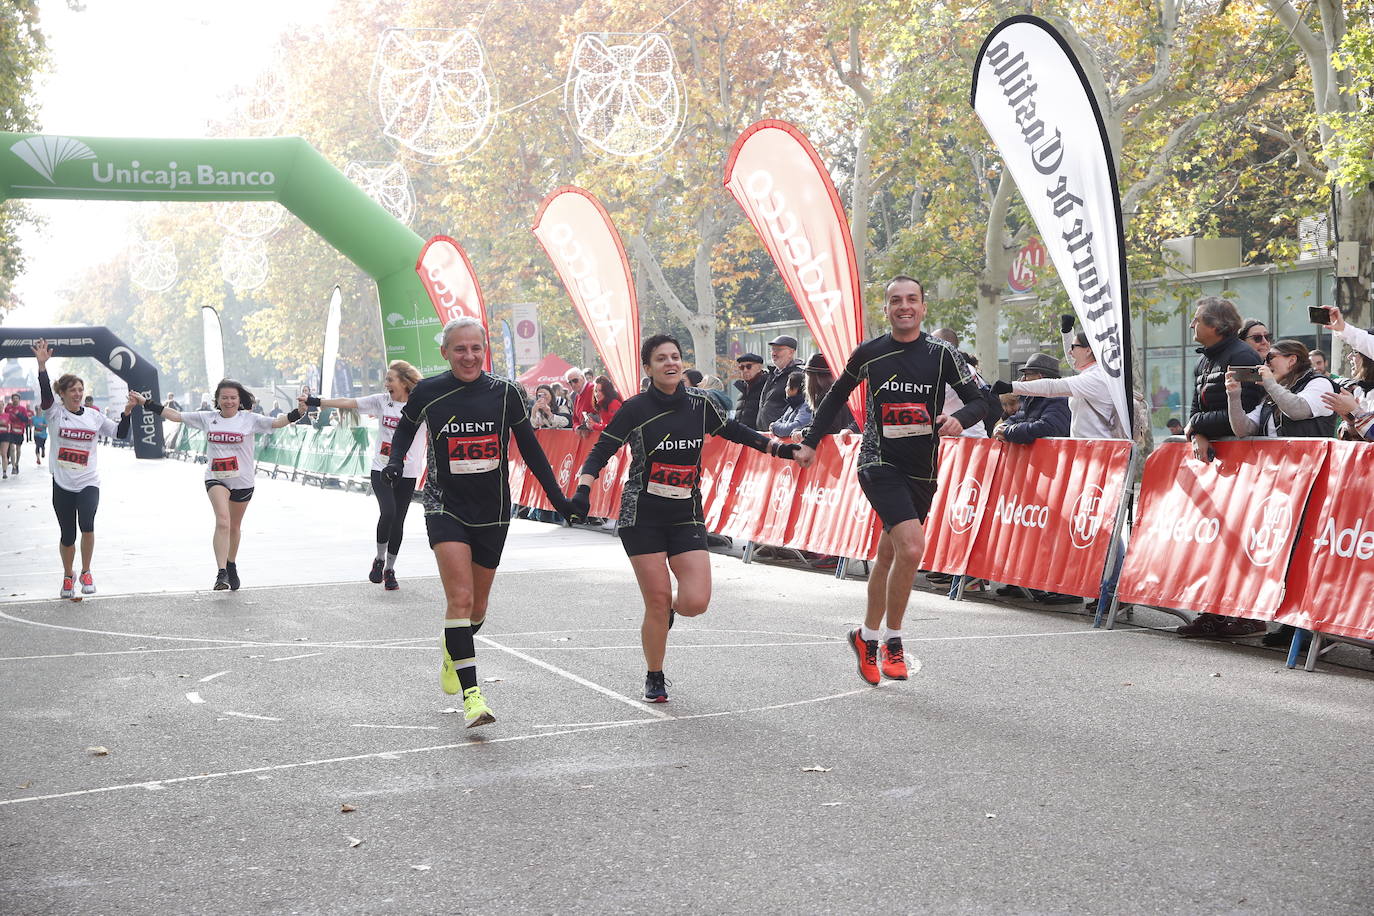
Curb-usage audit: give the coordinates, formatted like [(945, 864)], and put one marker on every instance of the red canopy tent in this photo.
[(548, 370)]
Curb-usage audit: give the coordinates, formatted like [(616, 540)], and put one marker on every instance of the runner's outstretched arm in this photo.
[(829, 407)]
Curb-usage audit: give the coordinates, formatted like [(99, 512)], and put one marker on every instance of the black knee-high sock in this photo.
[(463, 651)]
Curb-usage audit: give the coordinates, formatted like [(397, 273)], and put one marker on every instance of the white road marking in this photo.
[(210, 677), (194, 697), (433, 728), (249, 715), (287, 658), (605, 691)]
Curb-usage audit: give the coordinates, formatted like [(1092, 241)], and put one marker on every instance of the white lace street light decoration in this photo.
[(432, 91), (249, 219), (243, 262), (623, 94), (258, 110), (153, 264), (387, 184)]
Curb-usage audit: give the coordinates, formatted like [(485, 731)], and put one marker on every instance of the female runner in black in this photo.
[(661, 524)]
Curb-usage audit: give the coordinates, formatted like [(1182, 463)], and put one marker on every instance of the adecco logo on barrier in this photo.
[(963, 507), (1356, 542), (1265, 541), (1021, 515), (1190, 529), (1085, 521)]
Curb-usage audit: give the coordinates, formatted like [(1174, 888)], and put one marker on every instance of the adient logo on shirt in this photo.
[(904, 387), (223, 437), (81, 435), (466, 427), (679, 443)]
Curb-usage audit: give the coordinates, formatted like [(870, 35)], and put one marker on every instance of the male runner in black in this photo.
[(907, 372), (661, 524), (469, 417)]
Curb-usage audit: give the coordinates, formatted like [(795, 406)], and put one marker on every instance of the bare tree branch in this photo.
[(1296, 146)]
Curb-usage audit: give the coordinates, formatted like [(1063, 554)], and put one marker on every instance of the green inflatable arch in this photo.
[(287, 170)]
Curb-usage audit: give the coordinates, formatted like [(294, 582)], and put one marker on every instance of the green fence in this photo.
[(330, 452)]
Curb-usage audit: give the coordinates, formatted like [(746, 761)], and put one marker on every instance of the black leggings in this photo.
[(75, 510), (393, 503), (40, 445)]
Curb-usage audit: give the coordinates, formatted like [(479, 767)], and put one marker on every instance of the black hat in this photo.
[(782, 340), (1042, 363), (817, 364), (749, 358)]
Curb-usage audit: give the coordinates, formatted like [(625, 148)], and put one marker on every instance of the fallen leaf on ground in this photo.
[(420, 867), (491, 680), (563, 639), (831, 804), (1216, 674), (27, 784), (301, 638), (98, 751), (990, 816), (345, 809), (817, 769), (448, 712), (354, 842)]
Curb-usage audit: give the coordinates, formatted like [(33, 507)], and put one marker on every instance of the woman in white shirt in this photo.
[(392, 500), (76, 431), (231, 435)]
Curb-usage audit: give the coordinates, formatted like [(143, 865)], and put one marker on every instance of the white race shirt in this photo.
[(74, 450), (230, 444), (389, 412)]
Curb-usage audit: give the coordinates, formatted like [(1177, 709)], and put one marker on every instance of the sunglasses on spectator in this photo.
[(1073, 346), (1268, 337), (1273, 356)]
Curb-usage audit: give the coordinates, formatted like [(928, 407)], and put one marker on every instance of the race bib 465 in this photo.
[(474, 455)]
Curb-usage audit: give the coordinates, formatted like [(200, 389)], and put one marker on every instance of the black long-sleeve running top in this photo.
[(666, 433), (906, 392), (468, 427)]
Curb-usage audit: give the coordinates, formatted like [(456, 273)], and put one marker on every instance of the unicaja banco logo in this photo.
[(44, 153)]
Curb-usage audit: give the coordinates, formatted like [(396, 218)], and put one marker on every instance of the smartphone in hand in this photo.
[(1318, 314), (1246, 373)]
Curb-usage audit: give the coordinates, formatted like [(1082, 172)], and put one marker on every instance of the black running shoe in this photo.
[(222, 580), (390, 577), (375, 577), (231, 571), (655, 687)]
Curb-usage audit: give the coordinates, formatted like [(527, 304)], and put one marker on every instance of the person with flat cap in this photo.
[(750, 388), (773, 400), (1039, 417)]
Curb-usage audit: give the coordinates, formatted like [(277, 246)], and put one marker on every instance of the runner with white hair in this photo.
[(469, 416)]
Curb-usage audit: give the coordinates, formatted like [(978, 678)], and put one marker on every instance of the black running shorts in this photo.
[(487, 541), (896, 497), (670, 539), (240, 495)]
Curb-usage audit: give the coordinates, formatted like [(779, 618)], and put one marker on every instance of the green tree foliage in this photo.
[(23, 54)]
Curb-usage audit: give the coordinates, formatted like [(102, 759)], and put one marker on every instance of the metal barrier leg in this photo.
[(1295, 646), (841, 567), (956, 588), (1314, 651), (1111, 616), (749, 551)]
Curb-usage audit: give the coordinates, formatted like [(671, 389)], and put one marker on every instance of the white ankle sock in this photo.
[(868, 635), (891, 634)]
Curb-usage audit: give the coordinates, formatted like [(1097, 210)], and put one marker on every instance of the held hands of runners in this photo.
[(134, 401), (804, 455), (580, 504), (949, 426), (787, 451)]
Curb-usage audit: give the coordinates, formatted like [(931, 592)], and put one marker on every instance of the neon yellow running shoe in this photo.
[(448, 675), (475, 709)]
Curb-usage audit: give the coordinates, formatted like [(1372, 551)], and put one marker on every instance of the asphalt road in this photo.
[(1031, 765)]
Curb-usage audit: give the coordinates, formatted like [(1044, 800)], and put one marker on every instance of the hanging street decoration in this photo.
[(243, 262), (387, 184), (249, 219), (623, 94), (153, 264), (432, 91)]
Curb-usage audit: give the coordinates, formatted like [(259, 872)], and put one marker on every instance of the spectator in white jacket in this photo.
[(1092, 412)]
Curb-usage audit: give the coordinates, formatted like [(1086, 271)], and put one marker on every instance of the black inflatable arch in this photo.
[(103, 346)]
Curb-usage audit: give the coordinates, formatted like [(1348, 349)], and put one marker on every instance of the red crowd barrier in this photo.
[(1216, 536), (1038, 515), (1331, 575)]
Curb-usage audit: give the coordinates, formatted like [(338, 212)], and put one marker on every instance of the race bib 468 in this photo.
[(902, 420), (474, 455)]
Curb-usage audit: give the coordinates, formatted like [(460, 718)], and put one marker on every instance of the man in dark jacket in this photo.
[(773, 401), (750, 388), (1038, 417), (1216, 326)]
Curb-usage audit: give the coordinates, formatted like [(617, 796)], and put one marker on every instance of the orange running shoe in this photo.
[(866, 650), (893, 659)]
